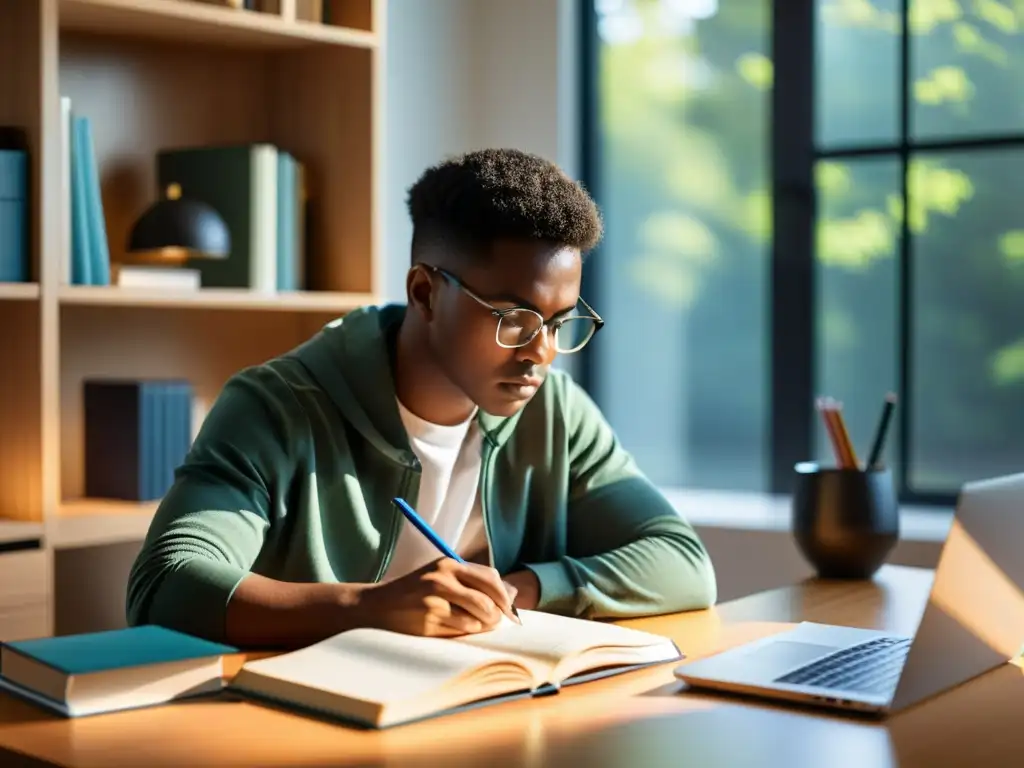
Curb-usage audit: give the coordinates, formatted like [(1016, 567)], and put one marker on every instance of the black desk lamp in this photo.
[(176, 229)]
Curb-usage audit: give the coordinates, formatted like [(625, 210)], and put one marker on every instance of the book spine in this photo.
[(14, 256), (174, 452), (113, 452), (285, 222), (300, 226), (183, 425), (160, 437), (263, 218), (188, 419), (147, 422), (99, 249), (81, 262), (169, 436), (144, 276), (165, 435)]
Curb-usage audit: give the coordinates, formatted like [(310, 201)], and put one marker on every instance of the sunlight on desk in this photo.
[(746, 737)]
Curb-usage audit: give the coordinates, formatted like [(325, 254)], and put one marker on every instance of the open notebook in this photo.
[(379, 679)]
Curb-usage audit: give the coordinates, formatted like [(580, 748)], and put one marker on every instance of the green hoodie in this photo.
[(294, 469)]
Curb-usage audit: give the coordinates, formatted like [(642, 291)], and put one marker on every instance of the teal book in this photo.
[(286, 222), (14, 216), (86, 674), (99, 250), (81, 246), (291, 223)]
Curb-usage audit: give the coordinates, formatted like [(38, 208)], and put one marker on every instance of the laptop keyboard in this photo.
[(870, 667)]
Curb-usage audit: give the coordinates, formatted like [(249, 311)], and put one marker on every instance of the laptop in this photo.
[(972, 623)]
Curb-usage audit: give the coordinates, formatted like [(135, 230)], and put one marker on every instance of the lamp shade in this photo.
[(177, 228)]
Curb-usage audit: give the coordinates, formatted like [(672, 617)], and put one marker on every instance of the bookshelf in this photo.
[(15, 291), (213, 298), (176, 21), (150, 75)]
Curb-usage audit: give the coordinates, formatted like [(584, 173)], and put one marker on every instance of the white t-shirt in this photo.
[(448, 497)]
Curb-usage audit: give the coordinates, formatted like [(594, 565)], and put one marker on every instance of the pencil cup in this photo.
[(845, 521)]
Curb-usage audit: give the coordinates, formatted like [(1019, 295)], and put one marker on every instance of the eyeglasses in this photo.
[(518, 326)]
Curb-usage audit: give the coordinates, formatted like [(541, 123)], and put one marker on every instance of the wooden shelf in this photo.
[(191, 22), (152, 75), (94, 522), (23, 291), (212, 298), (18, 530)]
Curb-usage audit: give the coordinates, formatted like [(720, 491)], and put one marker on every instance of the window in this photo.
[(683, 106), (842, 220)]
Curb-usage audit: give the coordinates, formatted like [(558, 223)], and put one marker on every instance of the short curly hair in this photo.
[(471, 200)]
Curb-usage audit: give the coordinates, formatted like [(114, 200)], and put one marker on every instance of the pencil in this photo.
[(882, 431), (837, 434), (830, 428), (844, 437)]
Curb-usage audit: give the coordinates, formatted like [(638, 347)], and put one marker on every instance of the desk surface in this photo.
[(638, 719)]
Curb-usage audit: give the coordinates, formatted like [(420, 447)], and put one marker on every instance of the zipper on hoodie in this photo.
[(485, 485), (410, 472)]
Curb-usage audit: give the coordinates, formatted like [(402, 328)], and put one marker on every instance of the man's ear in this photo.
[(420, 291)]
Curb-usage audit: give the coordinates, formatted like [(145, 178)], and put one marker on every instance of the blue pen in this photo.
[(421, 524), (426, 530)]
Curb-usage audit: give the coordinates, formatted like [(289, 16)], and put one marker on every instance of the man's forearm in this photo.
[(661, 574), (265, 613)]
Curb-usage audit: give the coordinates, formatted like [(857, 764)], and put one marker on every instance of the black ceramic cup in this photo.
[(845, 521)]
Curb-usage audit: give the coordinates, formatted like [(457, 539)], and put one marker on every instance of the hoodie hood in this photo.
[(351, 359)]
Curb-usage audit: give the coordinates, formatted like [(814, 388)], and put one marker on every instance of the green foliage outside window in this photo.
[(685, 117)]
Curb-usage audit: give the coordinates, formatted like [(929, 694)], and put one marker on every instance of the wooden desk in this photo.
[(639, 719)]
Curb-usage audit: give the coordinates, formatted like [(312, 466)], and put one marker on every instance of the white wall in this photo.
[(429, 110), (468, 74)]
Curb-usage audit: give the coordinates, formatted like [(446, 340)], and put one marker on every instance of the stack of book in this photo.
[(258, 189), (260, 192), (98, 672), (137, 433)]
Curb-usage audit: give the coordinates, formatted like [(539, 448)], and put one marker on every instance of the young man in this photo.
[(280, 528)]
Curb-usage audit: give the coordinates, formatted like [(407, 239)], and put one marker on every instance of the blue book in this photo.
[(179, 433), (77, 675), (137, 433), (286, 223), (14, 213), (99, 251), (81, 252)]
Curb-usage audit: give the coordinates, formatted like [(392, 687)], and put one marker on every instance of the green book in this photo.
[(240, 183), (76, 675)]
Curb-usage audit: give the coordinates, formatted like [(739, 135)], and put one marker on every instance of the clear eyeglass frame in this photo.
[(531, 322)]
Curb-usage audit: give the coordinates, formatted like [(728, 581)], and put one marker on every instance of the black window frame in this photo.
[(794, 153)]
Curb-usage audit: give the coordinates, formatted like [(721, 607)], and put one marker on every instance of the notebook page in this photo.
[(551, 638), (377, 666)]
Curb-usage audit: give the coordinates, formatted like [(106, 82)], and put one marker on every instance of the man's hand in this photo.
[(442, 599)]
